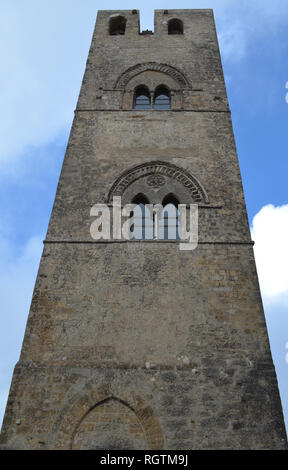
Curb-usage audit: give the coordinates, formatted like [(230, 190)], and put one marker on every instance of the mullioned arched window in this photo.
[(149, 225), (158, 190)]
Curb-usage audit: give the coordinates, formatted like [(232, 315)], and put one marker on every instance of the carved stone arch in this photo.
[(159, 177), (176, 74), (68, 423)]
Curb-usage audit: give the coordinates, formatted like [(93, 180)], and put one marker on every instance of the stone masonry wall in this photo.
[(136, 344)]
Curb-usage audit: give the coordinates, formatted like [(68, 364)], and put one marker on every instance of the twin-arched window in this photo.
[(149, 225), (161, 99)]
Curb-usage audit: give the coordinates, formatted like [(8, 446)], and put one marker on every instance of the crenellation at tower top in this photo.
[(192, 18), (193, 26)]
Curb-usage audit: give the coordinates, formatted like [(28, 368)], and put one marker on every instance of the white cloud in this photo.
[(270, 233)]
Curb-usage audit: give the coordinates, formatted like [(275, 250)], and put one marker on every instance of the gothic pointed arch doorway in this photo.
[(111, 424)]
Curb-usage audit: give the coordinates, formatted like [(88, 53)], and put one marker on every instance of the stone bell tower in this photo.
[(135, 344)]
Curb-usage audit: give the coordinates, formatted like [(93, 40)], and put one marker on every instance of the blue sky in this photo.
[(44, 47)]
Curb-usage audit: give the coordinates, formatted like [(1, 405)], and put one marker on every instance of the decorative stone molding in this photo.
[(159, 170), (156, 181), (67, 423), (178, 76)]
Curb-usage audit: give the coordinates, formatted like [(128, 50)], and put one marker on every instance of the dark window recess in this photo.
[(117, 26), (175, 26)]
